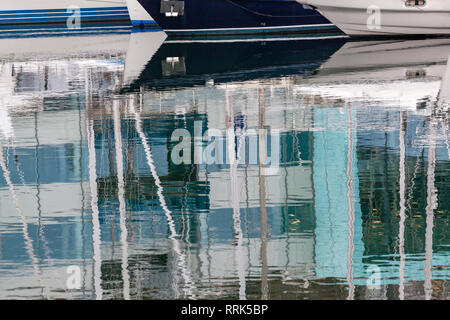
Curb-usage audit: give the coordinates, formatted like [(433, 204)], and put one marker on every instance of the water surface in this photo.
[(332, 181)]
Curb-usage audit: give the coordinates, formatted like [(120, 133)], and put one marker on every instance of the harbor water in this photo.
[(135, 166)]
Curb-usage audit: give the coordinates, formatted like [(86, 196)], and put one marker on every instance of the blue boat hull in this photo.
[(204, 17)]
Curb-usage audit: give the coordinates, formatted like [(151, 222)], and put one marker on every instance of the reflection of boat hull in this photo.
[(24, 87), (386, 17), (404, 73), (362, 57), (191, 64), (232, 17)]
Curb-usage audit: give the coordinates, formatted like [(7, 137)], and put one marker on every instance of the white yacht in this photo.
[(386, 17)]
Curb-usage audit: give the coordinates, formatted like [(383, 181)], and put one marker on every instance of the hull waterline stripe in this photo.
[(256, 28), (62, 10), (260, 39), (252, 28)]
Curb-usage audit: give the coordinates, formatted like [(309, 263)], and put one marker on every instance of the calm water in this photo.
[(328, 175)]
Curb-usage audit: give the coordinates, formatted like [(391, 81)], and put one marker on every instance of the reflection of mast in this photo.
[(286, 198), (38, 193), (96, 240), (247, 199), (234, 182), (26, 236), (173, 233), (83, 238), (7, 130), (122, 204), (262, 194), (402, 191), (431, 206), (351, 206)]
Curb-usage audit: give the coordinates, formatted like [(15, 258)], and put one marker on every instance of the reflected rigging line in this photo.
[(351, 206), (96, 240), (431, 206), (402, 191), (122, 204), (173, 233), (38, 195), (9, 133), (262, 194), (234, 161)]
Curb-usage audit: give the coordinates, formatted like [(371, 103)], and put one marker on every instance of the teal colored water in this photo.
[(139, 167)]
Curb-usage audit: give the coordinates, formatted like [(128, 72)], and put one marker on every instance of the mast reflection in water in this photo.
[(356, 209)]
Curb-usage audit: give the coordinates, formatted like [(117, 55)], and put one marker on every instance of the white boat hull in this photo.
[(385, 17)]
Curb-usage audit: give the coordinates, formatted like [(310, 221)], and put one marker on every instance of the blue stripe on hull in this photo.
[(33, 28), (257, 16), (61, 16), (143, 22), (64, 19), (62, 10)]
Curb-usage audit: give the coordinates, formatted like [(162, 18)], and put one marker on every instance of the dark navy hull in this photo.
[(203, 17)]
